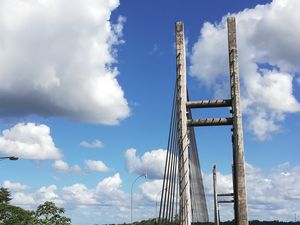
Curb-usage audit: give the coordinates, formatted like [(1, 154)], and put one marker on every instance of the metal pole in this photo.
[(241, 212), (131, 202), (184, 172)]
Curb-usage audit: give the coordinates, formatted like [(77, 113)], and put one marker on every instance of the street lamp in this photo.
[(9, 158), (143, 175)]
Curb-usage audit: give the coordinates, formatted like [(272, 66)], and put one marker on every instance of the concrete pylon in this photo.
[(216, 204), (185, 209), (239, 182)]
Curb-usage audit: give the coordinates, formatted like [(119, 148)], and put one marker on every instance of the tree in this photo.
[(49, 214), (13, 215), (4, 196)]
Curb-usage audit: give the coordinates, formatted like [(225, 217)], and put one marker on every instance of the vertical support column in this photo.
[(240, 196), (216, 204), (184, 173)]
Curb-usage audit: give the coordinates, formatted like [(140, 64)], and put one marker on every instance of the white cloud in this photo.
[(94, 144), (48, 193), (96, 165), (106, 200), (107, 193), (79, 193), (75, 169), (63, 166), (152, 189), (152, 162), (272, 195), (110, 183), (224, 183), (14, 186), (267, 58), (29, 141), (22, 199), (58, 58)]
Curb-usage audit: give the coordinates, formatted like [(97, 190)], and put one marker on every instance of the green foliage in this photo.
[(46, 214), (146, 222), (49, 214), (13, 215), (4, 196)]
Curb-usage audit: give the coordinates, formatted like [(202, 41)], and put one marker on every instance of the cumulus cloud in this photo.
[(63, 166), (58, 58), (267, 58), (151, 162), (94, 144), (106, 200), (152, 190), (96, 165), (14, 186), (48, 193), (91, 165), (272, 194), (29, 141), (110, 183), (79, 194), (110, 189), (23, 200)]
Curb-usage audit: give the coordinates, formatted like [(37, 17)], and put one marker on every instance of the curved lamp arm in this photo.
[(143, 175)]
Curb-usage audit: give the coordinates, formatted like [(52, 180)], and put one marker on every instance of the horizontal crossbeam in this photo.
[(209, 103), (209, 122), (225, 194), (226, 201)]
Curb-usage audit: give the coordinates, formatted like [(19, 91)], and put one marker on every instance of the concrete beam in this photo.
[(225, 194), (209, 122), (226, 201), (209, 103)]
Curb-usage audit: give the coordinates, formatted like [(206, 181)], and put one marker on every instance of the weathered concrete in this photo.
[(208, 103), (240, 197), (216, 205), (210, 122), (184, 171)]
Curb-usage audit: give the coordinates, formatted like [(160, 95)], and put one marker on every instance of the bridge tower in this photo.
[(183, 200), (184, 168)]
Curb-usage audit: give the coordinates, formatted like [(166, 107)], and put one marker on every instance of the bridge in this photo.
[(183, 199)]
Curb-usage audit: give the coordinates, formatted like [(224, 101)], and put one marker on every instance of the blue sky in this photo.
[(86, 94)]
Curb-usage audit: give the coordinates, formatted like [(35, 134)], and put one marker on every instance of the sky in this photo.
[(86, 92)]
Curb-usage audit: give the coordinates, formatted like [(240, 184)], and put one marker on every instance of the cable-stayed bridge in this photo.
[(183, 199)]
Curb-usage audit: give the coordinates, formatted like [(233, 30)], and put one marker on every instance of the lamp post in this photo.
[(143, 175), (9, 158)]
